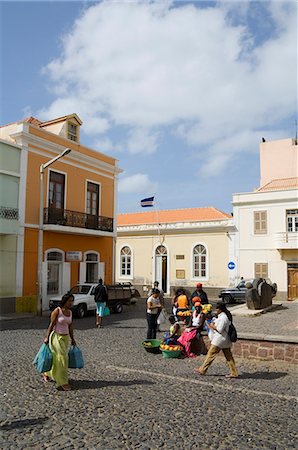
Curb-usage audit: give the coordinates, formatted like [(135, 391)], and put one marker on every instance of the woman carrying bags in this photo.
[(59, 331), (218, 334)]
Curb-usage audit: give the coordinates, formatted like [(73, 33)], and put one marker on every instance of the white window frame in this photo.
[(94, 252), (126, 277), (293, 216), (168, 264), (69, 133), (192, 268)]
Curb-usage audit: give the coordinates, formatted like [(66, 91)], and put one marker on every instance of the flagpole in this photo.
[(158, 222)]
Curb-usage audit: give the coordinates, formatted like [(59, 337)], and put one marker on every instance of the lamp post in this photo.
[(40, 226)]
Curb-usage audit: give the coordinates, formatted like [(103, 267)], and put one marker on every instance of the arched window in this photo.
[(199, 261), (125, 261), (161, 251), (91, 267)]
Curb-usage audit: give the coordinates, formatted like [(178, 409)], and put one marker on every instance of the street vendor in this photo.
[(175, 331), (191, 338), (182, 302)]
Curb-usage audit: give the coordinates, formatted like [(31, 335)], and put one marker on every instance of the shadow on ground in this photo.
[(78, 385), (23, 423), (263, 375)]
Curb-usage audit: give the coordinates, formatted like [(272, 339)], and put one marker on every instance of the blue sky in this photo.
[(180, 92)]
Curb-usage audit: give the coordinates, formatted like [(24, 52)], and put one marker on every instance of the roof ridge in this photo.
[(175, 209)]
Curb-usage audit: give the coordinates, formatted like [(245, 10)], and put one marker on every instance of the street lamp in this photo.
[(40, 226)]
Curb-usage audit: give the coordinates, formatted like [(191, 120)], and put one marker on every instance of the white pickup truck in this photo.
[(118, 294)]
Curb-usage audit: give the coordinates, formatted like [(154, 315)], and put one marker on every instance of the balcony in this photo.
[(66, 218), (286, 240), (9, 220)]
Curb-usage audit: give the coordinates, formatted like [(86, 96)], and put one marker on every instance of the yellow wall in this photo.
[(64, 242), (75, 192)]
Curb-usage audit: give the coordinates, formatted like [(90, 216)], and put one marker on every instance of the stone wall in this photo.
[(264, 350)]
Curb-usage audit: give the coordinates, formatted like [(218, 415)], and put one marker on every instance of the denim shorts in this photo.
[(100, 307)]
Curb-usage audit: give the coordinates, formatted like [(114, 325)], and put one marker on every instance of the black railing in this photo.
[(64, 217), (9, 213)]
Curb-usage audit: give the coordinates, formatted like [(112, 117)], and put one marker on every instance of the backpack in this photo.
[(232, 333)]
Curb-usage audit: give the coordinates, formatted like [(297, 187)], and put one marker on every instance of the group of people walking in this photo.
[(60, 331)]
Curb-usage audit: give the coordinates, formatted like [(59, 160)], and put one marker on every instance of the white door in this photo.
[(82, 272)]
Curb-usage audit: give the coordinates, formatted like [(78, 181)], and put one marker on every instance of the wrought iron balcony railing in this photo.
[(64, 217), (9, 213)]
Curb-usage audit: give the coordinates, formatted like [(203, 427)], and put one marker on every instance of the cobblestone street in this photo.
[(126, 398)]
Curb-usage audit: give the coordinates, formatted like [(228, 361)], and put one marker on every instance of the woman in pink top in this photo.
[(57, 337)]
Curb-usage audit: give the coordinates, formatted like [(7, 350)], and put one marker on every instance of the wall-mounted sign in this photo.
[(73, 256), (180, 274)]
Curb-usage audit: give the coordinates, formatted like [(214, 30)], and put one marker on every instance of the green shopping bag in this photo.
[(106, 311)]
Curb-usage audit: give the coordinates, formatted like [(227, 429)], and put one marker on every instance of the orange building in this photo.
[(80, 199)]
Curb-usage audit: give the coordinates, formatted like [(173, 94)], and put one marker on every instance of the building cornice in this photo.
[(23, 136), (178, 227)]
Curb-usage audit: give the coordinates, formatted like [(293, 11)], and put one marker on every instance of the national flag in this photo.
[(147, 202)]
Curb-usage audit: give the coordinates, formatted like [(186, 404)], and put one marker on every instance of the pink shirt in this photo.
[(63, 322)]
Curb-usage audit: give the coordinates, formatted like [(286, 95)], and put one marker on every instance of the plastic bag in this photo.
[(44, 359), (106, 311), (75, 358), (162, 318)]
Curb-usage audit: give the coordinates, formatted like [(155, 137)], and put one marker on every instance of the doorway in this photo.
[(161, 267), (292, 281)]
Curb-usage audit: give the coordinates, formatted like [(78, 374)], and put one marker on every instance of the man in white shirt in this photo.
[(220, 341)]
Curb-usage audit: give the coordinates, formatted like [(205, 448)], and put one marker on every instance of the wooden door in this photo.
[(292, 284), (92, 205), (56, 197)]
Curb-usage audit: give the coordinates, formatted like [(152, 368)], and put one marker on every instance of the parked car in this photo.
[(237, 294), (118, 295)]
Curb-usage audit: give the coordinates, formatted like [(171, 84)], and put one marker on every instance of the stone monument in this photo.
[(259, 294)]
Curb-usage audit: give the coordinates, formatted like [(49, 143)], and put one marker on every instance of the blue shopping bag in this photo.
[(44, 359), (106, 311), (75, 358)]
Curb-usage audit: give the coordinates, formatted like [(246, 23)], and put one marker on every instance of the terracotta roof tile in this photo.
[(174, 215), (280, 184)]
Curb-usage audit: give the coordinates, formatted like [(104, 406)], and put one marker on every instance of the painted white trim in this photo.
[(21, 233), (58, 250), (31, 225), (9, 173), (99, 197), (197, 279), (12, 144), (20, 262), (158, 244), (126, 277), (177, 226), (88, 253), (48, 187), (75, 230), (22, 134)]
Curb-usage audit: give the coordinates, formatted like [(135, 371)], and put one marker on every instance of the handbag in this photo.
[(75, 358), (44, 359), (106, 311)]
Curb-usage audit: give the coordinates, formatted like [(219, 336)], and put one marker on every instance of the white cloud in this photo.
[(152, 68), (137, 184)]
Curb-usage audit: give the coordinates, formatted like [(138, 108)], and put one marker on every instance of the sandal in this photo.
[(45, 378), (198, 372), (65, 387)]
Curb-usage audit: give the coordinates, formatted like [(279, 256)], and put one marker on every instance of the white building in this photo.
[(177, 248), (267, 220)]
